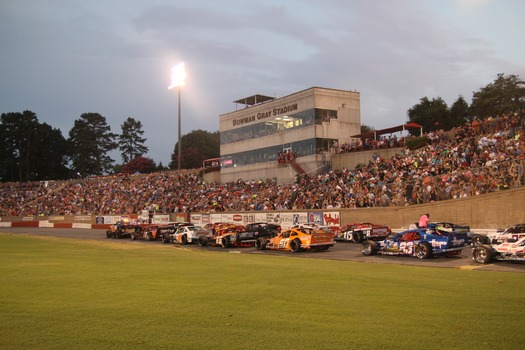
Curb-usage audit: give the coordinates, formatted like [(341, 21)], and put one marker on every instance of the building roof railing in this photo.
[(253, 100)]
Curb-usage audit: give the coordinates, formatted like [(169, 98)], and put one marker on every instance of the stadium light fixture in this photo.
[(178, 75)]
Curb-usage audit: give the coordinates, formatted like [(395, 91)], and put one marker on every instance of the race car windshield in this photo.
[(305, 230)]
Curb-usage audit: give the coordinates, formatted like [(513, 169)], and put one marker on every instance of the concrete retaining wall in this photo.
[(491, 211)]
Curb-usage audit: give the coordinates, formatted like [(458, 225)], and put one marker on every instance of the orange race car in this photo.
[(297, 239)]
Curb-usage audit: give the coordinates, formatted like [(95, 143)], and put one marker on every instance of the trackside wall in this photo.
[(492, 211)]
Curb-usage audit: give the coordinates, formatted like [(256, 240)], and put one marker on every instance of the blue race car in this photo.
[(422, 243)]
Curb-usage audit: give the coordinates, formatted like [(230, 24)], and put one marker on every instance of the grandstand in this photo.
[(463, 164)]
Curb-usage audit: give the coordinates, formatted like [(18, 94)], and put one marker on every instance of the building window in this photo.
[(324, 115), (269, 127), (269, 154)]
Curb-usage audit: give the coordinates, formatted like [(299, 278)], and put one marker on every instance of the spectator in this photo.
[(424, 220)]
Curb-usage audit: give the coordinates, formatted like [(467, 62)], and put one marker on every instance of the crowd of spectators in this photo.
[(477, 160)]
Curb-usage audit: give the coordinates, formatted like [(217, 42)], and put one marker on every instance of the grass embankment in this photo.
[(76, 294)]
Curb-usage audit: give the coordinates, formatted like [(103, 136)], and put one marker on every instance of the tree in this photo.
[(89, 142), (131, 142), (51, 154), (459, 112), (504, 96), (18, 132), (196, 146), (366, 128), (29, 150), (141, 165), (191, 158), (161, 167), (430, 114)]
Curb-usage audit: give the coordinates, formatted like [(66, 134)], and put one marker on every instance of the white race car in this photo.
[(512, 250), (513, 232)]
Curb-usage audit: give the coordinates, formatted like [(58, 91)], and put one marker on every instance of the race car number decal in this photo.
[(406, 247), (283, 243)]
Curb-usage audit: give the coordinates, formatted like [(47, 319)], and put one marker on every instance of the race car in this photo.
[(510, 250), (361, 231), (124, 229), (422, 243), (313, 226), (217, 227), (240, 236), (153, 232), (166, 232), (449, 227), (513, 232), (297, 239), (148, 232), (189, 234)]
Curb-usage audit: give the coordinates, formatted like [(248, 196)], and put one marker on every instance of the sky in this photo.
[(62, 58)]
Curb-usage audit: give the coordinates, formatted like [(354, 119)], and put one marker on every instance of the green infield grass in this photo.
[(59, 293)]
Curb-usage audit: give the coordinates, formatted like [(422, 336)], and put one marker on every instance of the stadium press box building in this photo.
[(308, 124)]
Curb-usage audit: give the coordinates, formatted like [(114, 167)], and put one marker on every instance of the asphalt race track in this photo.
[(341, 251)]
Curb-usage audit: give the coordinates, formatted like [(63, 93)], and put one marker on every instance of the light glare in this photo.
[(178, 74)]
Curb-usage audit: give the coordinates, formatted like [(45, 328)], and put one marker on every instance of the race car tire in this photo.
[(295, 246), (482, 254), (369, 248), (225, 242), (478, 240), (423, 250), (357, 237), (184, 239), (260, 243), (203, 241), (165, 239), (109, 234)]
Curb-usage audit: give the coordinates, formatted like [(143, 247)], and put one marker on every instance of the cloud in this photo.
[(471, 4), (61, 59)]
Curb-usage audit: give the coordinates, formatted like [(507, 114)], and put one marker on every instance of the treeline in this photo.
[(505, 96), (34, 151)]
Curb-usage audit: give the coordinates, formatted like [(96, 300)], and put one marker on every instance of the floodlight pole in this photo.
[(180, 147), (177, 80)]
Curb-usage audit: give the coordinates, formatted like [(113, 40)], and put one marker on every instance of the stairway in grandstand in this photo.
[(60, 185), (297, 167)]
